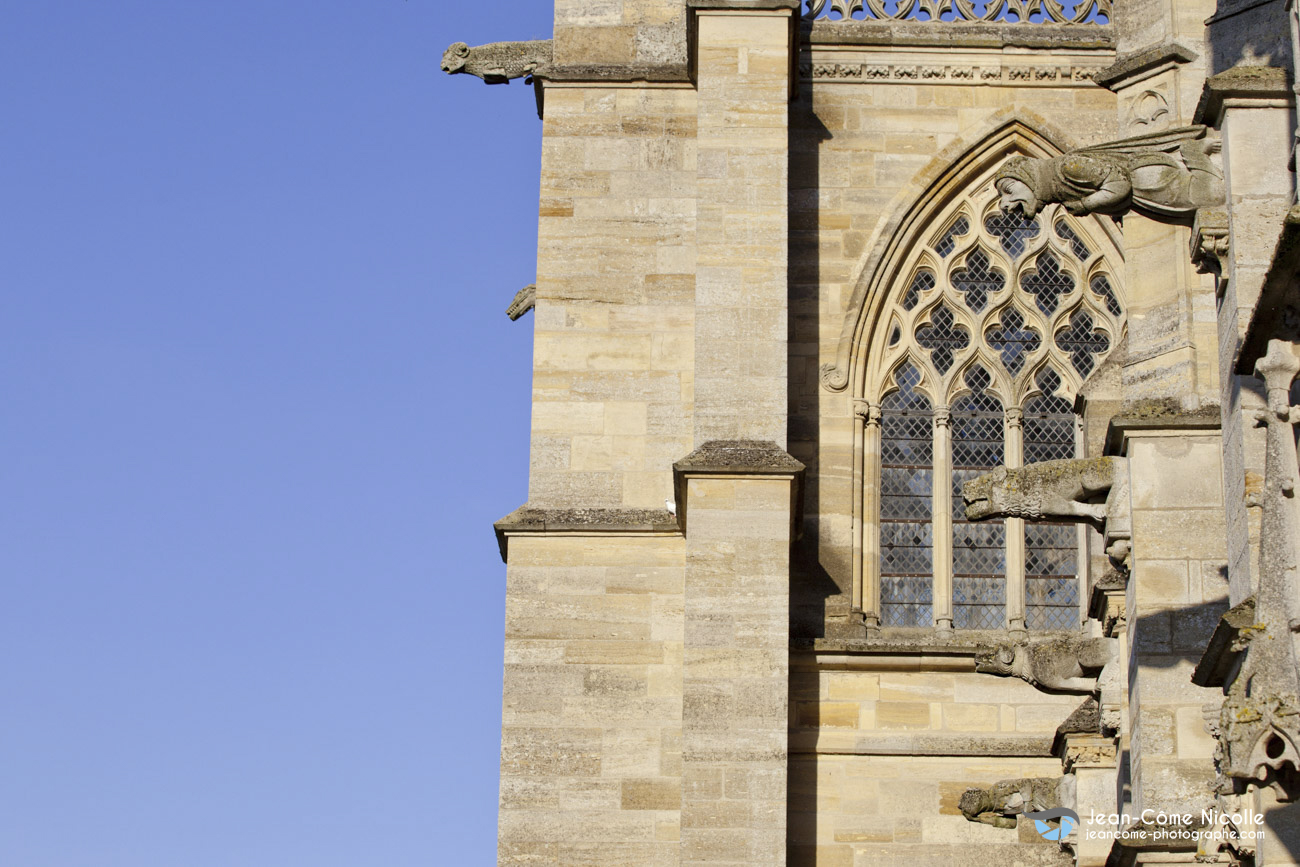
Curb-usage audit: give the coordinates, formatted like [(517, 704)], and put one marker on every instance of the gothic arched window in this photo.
[(997, 322)]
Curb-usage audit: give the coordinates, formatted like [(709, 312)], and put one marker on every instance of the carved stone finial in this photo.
[(1057, 664), (1278, 369), (497, 62), (525, 299), (1067, 490), (1167, 175)]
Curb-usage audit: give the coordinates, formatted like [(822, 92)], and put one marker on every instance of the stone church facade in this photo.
[(913, 436)]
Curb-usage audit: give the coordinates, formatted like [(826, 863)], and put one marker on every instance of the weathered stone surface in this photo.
[(1167, 175), (497, 62)]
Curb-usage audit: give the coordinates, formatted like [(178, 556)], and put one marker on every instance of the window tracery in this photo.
[(1001, 320)]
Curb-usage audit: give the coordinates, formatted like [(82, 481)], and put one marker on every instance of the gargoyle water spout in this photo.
[(1167, 175)]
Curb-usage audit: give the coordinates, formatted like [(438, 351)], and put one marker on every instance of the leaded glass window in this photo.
[(979, 556), (906, 487), (996, 323), (1051, 550)]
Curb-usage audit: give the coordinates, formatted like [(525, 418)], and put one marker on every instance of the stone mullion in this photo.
[(942, 528), (1013, 455), (867, 509)]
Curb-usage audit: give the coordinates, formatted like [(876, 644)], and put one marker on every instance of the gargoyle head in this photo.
[(984, 495), (1018, 183), (453, 59), (995, 659)]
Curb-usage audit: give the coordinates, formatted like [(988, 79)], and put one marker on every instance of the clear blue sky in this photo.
[(259, 405)]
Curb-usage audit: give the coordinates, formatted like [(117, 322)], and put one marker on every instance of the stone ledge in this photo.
[(675, 73), (793, 5), (527, 519), (739, 456), (921, 650), (1155, 415), (1241, 82), (1142, 837), (1219, 657), (1132, 65), (948, 35), (920, 744)]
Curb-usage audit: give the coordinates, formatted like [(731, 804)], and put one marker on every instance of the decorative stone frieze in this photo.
[(959, 12), (954, 74)]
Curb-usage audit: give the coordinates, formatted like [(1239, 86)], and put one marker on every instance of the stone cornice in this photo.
[(926, 34), (529, 520), (1155, 418), (1140, 64), (728, 457), (1262, 83), (792, 5)]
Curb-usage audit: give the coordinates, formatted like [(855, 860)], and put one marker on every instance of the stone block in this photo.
[(652, 794), (903, 715)]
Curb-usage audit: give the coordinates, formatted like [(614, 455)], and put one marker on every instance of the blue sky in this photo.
[(259, 405)]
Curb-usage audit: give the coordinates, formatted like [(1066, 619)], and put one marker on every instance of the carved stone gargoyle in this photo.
[(497, 62), (1166, 175), (1089, 490), (1007, 799), (525, 299), (1065, 664)]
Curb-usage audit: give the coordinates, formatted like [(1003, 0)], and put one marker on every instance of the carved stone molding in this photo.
[(1017, 75), (1210, 241), (962, 12)]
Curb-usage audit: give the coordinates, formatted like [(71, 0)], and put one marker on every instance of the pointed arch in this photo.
[(912, 214), (997, 321)]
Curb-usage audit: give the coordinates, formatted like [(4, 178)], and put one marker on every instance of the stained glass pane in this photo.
[(943, 337), (978, 280), (922, 282), (1101, 287), (1083, 342), (1047, 283), (979, 549), (1080, 249), (1051, 550), (1013, 340), (1013, 230), (906, 488), (949, 240)]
